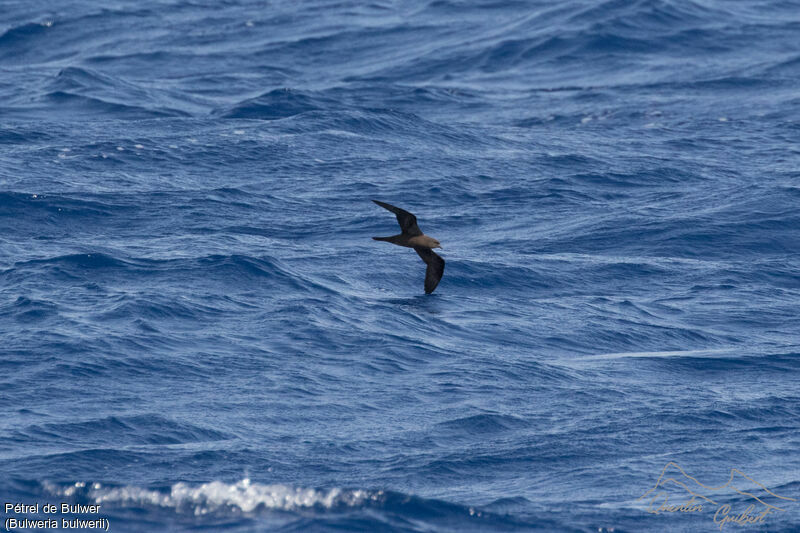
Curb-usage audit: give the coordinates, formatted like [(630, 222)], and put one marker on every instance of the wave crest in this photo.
[(244, 496)]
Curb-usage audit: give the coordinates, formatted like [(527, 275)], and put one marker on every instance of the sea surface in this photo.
[(197, 332)]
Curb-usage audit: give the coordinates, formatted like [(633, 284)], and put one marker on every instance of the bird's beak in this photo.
[(440, 247)]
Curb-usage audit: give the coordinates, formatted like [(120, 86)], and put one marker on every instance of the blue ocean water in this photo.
[(198, 332)]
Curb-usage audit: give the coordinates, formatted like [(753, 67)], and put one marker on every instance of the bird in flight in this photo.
[(412, 237)]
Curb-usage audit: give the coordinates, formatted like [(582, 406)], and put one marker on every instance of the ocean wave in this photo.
[(222, 266), (26, 309), (76, 90), (17, 40), (485, 423), (276, 104), (287, 507), (214, 496), (142, 429)]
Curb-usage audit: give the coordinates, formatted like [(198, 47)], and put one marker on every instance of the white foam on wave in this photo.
[(216, 495), (674, 353)]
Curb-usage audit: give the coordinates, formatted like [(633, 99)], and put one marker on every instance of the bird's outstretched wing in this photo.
[(435, 268), (407, 221)]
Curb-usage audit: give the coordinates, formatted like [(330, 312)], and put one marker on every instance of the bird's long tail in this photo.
[(388, 239)]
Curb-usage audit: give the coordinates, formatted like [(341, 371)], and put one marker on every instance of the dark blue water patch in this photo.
[(277, 104), (88, 460), (746, 362), (407, 98), (50, 217), (379, 125), (77, 262), (17, 205), (155, 308), (509, 53), (129, 430), (79, 91), (487, 423), (487, 274), (654, 16), (790, 67), (22, 135), (15, 41), (237, 270), (73, 78), (647, 177), (76, 105), (30, 310)]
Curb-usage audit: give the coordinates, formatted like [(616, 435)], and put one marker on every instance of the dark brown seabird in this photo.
[(412, 237)]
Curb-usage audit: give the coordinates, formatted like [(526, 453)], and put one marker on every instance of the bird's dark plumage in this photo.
[(435, 268), (407, 221), (412, 237)]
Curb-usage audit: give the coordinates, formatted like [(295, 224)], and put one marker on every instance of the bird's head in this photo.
[(435, 244)]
